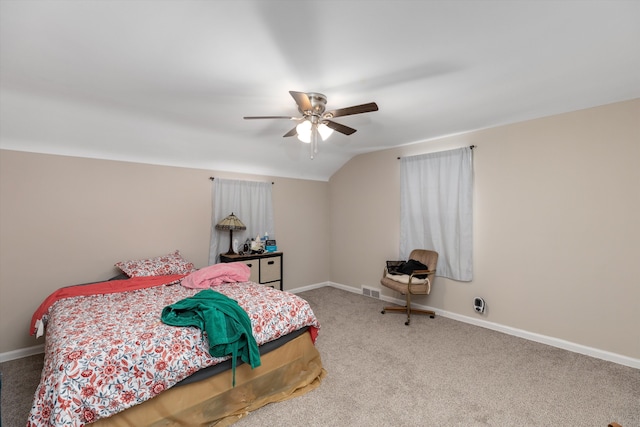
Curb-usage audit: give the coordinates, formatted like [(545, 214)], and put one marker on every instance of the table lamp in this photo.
[(231, 223)]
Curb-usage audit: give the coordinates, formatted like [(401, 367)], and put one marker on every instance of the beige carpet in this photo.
[(436, 372)]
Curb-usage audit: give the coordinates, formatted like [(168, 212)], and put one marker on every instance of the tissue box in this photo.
[(271, 248)]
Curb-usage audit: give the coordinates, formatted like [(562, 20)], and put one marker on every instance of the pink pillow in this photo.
[(159, 266), (216, 274)]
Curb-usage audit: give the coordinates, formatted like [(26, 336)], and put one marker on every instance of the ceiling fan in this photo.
[(315, 120)]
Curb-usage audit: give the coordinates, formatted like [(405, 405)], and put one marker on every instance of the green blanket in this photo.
[(227, 325)]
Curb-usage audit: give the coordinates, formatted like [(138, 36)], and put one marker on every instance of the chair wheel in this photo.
[(433, 317), (406, 323), (382, 312)]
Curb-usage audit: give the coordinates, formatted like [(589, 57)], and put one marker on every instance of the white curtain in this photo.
[(436, 209), (250, 201)]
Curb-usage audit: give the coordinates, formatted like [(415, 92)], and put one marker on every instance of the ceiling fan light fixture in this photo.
[(304, 131), (325, 131)]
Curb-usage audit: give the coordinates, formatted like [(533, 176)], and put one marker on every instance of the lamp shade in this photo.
[(324, 131), (304, 131), (231, 223)]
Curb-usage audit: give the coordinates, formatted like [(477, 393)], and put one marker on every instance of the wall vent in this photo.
[(368, 292)]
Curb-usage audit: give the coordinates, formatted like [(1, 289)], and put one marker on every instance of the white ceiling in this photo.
[(168, 82)]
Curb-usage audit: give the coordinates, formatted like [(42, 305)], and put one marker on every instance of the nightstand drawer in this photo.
[(254, 266), (276, 285), (270, 269)]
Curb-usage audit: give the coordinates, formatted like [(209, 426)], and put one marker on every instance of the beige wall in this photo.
[(556, 226), (556, 229), (67, 220)]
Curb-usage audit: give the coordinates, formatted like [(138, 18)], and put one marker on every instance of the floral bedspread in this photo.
[(106, 353)]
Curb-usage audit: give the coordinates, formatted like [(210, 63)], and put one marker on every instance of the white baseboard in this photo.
[(554, 342), (20, 353), (531, 336), (318, 286)]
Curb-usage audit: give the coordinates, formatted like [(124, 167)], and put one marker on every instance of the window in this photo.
[(436, 209)]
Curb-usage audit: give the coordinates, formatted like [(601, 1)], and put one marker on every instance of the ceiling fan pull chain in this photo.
[(314, 142)]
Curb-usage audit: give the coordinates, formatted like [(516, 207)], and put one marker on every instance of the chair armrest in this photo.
[(417, 272), (420, 273)]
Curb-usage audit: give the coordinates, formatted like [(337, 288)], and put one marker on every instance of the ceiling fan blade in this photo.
[(302, 100), (271, 117), (292, 132), (356, 109), (339, 127)]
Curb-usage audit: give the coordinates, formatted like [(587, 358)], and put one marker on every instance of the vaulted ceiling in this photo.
[(168, 82)]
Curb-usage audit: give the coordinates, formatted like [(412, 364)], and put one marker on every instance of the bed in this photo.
[(111, 361)]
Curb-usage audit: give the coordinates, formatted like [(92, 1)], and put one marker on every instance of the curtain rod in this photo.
[(471, 147), (213, 177)]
